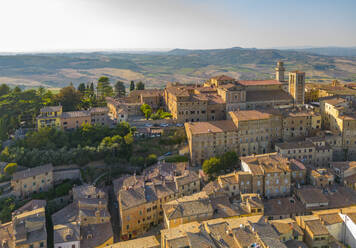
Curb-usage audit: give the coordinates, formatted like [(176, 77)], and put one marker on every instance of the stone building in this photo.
[(249, 132), (315, 233), (338, 115), (141, 198), (196, 207), (32, 180), (312, 152), (85, 222), (152, 97), (271, 174), (191, 103), (53, 116), (321, 177), (297, 86), (27, 228)]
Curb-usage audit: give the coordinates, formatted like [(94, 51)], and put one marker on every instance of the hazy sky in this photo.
[(43, 25)]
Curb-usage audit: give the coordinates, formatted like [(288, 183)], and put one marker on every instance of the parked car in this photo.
[(164, 125), (180, 125), (167, 154), (148, 125)]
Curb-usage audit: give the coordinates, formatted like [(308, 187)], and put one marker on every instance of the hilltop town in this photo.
[(220, 163)]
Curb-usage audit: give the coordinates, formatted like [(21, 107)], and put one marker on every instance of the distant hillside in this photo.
[(331, 51), (158, 68)]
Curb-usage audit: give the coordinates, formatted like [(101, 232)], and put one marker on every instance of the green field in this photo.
[(156, 69)]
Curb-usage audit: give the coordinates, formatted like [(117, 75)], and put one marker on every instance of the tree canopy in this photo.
[(104, 87), (69, 98), (146, 110), (132, 85), (10, 168), (215, 165), (211, 166), (120, 89), (140, 86)]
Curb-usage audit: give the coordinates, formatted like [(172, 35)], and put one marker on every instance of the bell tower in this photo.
[(297, 86), (280, 71)]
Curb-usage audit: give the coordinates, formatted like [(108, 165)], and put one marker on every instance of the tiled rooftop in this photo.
[(211, 127), (249, 115), (259, 82), (146, 242), (30, 172)]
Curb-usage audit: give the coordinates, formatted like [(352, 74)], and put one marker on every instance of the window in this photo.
[(41, 244)]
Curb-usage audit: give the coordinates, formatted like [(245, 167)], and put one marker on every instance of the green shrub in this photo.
[(137, 161), (151, 159), (10, 168), (176, 159)]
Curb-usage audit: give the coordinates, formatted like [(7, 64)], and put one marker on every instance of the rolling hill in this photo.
[(158, 68)]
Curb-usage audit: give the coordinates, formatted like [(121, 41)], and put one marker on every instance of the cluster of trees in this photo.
[(7, 206), (148, 112), (139, 86), (178, 137), (216, 165), (140, 161), (20, 108), (85, 144)]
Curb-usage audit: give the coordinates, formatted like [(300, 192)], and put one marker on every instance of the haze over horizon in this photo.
[(92, 25)]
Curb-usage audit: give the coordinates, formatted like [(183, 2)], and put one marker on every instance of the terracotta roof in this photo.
[(316, 227), (75, 114), (330, 219), (295, 244), (99, 110), (228, 179), (311, 195), (270, 162), (335, 101), (31, 205), (249, 115), (211, 127), (146, 242), (267, 235), (51, 109), (100, 234), (31, 172), (259, 82), (296, 145), (284, 226), (66, 233), (283, 206), (189, 206), (267, 95), (245, 237)]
